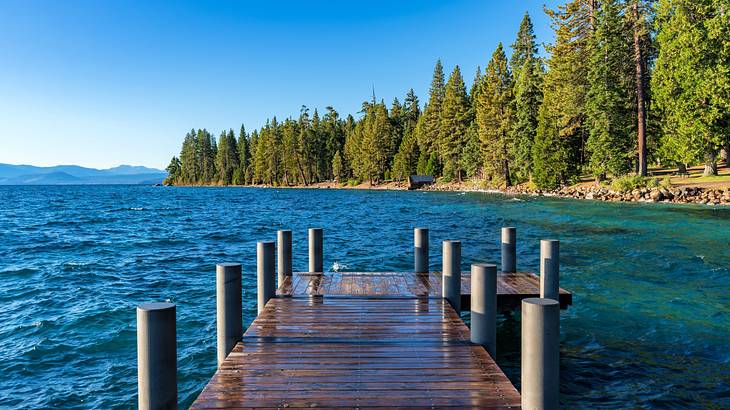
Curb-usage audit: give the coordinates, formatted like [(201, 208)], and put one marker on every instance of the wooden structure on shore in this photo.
[(378, 339), (420, 181)]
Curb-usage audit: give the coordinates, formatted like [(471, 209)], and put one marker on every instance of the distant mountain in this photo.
[(74, 174)]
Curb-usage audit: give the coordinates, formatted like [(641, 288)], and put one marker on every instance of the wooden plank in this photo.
[(511, 287), (365, 352)]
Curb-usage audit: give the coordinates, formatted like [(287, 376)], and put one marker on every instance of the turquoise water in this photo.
[(650, 324)]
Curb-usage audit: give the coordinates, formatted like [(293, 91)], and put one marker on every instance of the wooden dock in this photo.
[(365, 340), (360, 352), (511, 287)]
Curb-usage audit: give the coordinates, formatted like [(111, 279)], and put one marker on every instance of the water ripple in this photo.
[(649, 326)]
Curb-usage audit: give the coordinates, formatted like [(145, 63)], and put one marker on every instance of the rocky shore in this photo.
[(684, 195)]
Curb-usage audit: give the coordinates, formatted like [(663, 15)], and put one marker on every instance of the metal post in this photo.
[(284, 264), (420, 250), (156, 356), (229, 307), (484, 306), (540, 369), (315, 250), (509, 249), (550, 269), (451, 279), (265, 273)]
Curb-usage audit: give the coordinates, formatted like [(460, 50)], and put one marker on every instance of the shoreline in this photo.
[(677, 194)]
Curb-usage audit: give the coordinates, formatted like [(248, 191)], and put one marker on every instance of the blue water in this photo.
[(650, 324)]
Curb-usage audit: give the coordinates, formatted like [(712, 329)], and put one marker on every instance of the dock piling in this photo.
[(509, 249), (156, 356), (316, 260), (229, 306), (265, 273), (550, 269), (420, 250), (284, 252), (451, 273), (540, 367), (484, 306)]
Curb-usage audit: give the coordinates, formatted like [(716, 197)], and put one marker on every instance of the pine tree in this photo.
[(335, 137), (453, 124), (406, 160), (471, 155), (376, 131), (558, 150), (691, 84), (494, 117), (337, 166), (273, 153), (427, 129), (609, 98), (527, 70), (189, 167), (239, 175), (642, 44), (174, 171), (226, 157)]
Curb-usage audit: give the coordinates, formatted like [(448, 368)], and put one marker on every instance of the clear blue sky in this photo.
[(103, 83)]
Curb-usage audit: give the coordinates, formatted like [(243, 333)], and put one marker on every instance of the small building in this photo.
[(419, 181)]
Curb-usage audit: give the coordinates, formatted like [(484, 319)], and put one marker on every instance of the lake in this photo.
[(649, 326)]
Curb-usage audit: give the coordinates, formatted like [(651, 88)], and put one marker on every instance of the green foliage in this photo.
[(494, 117), (558, 150), (427, 130), (432, 165), (609, 98), (174, 171), (691, 81), (337, 166), (630, 182), (453, 125), (527, 70), (226, 160)]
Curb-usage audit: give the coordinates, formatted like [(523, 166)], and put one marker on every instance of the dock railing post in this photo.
[(420, 250), (229, 307), (540, 367), (284, 251), (509, 249), (265, 273), (550, 269), (316, 262), (451, 273), (484, 306), (156, 356)]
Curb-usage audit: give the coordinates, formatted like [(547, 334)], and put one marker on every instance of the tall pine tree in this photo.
[(494, 117), (527, 72), (691, 83), (453, 124), (609, 99), (559, 147)]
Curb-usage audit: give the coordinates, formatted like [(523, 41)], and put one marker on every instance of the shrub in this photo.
[(631, 182)]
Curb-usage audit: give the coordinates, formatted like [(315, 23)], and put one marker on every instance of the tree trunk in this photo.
[(505, 169), (710, 163), (682, 168), (301, 170), (725, 151), (640, 104)]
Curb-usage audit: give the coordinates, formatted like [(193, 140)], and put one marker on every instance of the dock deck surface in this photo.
[(358, 353), (366, 340), (511, 287)]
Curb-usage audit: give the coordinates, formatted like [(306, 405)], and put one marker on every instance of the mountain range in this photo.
[(74, 174)]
